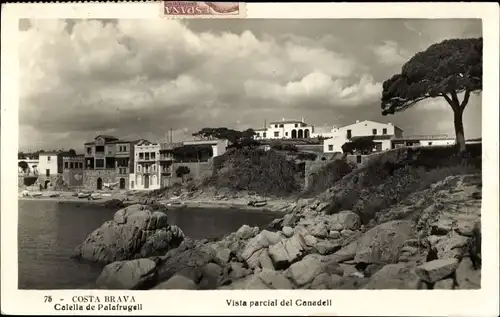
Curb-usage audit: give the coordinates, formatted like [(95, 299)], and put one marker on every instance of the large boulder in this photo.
[(130, 275), (382, 243), (266, 279), (467, 276), (436, 270), (135, 231), (394, 276), (304, 271), (287, 251), (177, 282), (255, 246)]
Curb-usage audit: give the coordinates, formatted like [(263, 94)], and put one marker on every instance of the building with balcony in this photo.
[(146, 173), (285, 129), (382, 134), (108, 160)]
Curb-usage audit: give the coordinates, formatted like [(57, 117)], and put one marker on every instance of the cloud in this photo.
[(141, 78), (316, 86), (389, 53)]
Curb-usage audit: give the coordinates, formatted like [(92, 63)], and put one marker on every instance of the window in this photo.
[(65, 164), (154, 168), (99, 163), (141, 156), (330, 147), (138, 168), (153, 155), (374, 131), (281, 125), (71, 165), (264, 134), (99, 149), (384, 131), (430, 143), (286, 133), (89, 150), (275, 125), (146, 156), (47, 172), (48, 158), (276, 134), (296, 125), (80, 165), (349, 134)]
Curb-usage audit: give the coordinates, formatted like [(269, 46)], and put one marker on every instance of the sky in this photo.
[(140, 78)]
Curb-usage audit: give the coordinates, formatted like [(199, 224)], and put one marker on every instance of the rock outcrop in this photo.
[(135, 232), (423, 246)]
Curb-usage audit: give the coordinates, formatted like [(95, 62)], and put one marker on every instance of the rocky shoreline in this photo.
[(432, 243)]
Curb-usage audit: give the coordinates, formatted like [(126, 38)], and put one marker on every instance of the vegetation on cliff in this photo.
[(263, 172)]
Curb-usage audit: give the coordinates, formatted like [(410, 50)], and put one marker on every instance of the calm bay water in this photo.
[(49, 232)]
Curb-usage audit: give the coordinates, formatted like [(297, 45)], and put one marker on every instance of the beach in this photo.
[(129, 198)]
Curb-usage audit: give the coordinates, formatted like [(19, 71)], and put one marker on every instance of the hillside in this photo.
[(409, 219)]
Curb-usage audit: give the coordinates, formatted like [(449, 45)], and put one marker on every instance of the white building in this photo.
[(47, 163), (32, 167), (423, 140), (382, 134), (146, 172), (286, 129)]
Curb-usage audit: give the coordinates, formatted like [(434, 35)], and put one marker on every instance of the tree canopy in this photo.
[(182, 171), (362, 144), (237, 138), (445, 69)]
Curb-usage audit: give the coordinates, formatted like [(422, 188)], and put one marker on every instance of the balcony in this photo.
[(146, 160), (166, 157)]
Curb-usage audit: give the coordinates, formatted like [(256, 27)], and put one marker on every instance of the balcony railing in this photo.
[(166, 157)]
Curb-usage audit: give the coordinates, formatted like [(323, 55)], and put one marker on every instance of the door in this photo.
[(122, 183), (146, 181), (99, 183)]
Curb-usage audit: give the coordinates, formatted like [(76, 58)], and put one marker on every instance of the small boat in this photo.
[(83, 195), (106, 195), (55, 195), (260, 203), (36, 194), (95, 196)]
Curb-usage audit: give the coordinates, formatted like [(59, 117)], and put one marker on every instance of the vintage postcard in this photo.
[(231, 158)]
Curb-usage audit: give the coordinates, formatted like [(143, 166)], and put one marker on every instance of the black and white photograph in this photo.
[(249, 154)]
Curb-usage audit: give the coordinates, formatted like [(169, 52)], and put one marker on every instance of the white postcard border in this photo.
[(482, 302)]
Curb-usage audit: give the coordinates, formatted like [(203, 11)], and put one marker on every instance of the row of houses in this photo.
[(110, 162), (385, 135)]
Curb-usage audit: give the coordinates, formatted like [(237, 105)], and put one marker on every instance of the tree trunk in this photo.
[(459, 130)]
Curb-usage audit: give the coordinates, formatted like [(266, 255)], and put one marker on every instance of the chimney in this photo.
[(302, 120), (357, 121), (389, 123), (282, 119)]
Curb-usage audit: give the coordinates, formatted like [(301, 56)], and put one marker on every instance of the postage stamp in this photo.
[(204, 9), (232, 158)]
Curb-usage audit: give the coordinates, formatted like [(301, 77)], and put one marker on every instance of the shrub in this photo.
[(284, 147), (264, 172), (306, 156)]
